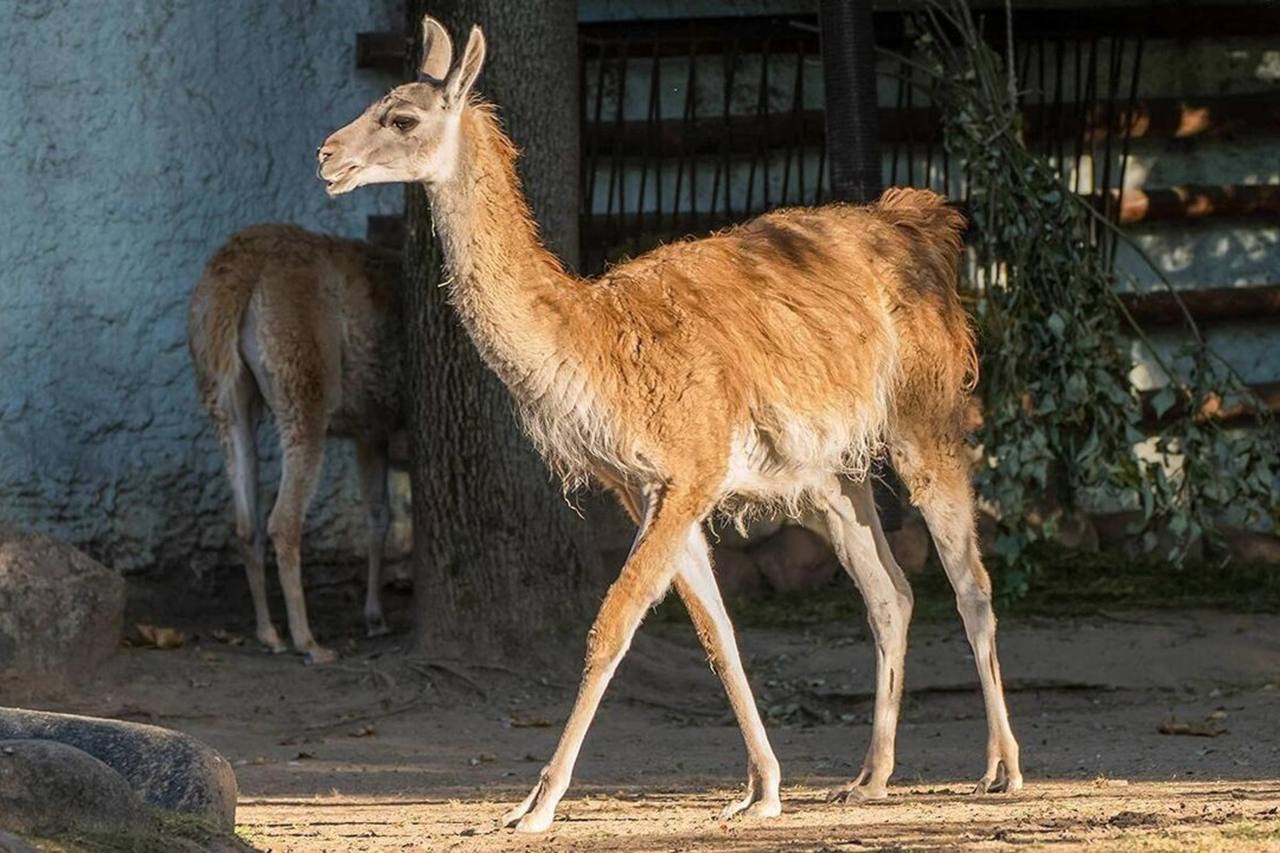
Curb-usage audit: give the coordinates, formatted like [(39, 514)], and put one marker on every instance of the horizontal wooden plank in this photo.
[(1196, 202), (385, 50), (744, 134), (1268, 394), (1163, 204), (1184, 118), (1207, 305)]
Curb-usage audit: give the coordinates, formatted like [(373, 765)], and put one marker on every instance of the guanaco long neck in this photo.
[(513, 295)]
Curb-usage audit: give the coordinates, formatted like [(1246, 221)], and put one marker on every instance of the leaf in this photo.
[(157, 637), (1163, 401), (227, 637), (1009, 547), (1207, 728), (1056, 324)]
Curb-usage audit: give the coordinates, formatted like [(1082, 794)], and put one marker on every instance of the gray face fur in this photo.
[(411, 134)]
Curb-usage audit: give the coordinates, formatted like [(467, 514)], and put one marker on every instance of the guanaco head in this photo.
[(411, 134)]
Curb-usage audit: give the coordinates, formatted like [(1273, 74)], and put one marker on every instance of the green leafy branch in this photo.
[(1061, 416)]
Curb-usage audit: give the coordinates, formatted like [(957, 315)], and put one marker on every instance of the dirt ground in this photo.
[(383, 752)]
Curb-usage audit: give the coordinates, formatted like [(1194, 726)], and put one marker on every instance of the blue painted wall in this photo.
[(135, 136)]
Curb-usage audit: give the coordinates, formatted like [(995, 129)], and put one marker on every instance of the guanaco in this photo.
[(307, 326), (770, 363)]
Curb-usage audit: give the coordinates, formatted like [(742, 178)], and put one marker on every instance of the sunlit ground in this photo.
[(1146, 702), (1101, 815)]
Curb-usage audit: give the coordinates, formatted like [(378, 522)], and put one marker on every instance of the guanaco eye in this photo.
[(404, 124)]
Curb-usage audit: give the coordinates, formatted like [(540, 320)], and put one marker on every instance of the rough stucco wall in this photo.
[(136, 136)]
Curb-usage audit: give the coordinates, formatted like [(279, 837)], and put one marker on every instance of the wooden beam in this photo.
[(747, 34), (1208, 305), (746, 134), (1196, 202), (1184, 118), (1165, 204), (1268, 394)]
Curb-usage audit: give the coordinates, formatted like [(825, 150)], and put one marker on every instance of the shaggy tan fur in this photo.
[(768, 363), (305, 324)]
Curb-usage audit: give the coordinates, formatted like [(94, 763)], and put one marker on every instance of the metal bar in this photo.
[(1126, 136), (683, 151), (654, 158)]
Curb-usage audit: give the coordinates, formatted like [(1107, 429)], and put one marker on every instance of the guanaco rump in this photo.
[(767, 364), (307, 325)]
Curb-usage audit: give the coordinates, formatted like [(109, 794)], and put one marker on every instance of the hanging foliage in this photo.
[(1061, 414)]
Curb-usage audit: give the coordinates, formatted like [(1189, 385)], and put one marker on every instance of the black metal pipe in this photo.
[(852, 114)]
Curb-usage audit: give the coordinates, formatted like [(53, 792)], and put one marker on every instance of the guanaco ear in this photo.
[(463, 77), (437, 50)]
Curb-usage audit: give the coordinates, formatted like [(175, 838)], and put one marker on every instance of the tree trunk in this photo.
[(500, 559)]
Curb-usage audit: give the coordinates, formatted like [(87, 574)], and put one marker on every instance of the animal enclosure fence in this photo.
[(692, 125)]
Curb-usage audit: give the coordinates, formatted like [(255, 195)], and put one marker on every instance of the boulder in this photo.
[(795, 559), (1077, 531), (50, 789), (167, 769), (61, 613), (1115, 536), (911, 544), (1249, 546)]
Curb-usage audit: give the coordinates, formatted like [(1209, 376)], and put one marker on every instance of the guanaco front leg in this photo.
[(670, 516)]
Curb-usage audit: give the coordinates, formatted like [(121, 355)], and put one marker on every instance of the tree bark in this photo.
[(500, 559)]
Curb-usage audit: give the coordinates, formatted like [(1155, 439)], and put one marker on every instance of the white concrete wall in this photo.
[(136, 135)]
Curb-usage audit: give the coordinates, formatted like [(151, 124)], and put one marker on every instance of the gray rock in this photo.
[(61, 613), (167, 769), (736, 573), (1249, 546), (795, 559), (911, 544), (49, 788)]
